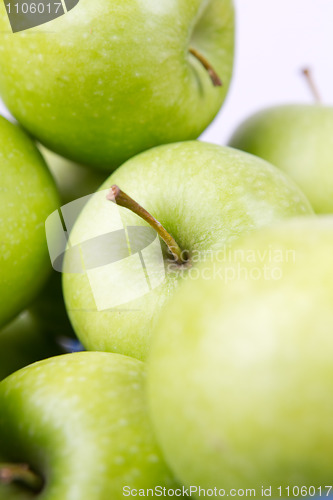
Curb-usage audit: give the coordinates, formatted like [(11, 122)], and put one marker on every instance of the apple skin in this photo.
[(245, 365), (297, 139), (23, 342), (205, 196), (80, 421), (109, 80), (28, 195)]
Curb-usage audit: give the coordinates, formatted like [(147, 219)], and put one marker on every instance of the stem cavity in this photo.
[(116, 195), (217, 82)]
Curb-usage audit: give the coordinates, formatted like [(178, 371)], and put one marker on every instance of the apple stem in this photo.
[(20, 473), (313, 87), (116, 195), (217, 82)]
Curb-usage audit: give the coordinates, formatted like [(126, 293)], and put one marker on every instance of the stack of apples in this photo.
[(198, 279)]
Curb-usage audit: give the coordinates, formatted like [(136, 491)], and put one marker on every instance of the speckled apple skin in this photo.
[(80, 420), (205, 196), (111, 79), (27, 197), (299, 140), (246, 366)]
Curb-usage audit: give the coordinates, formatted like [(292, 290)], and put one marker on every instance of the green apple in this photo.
[(23, 342), (240, 377), (80, 423), (27, 196), (111, 79), (298, 139), (204, 195)]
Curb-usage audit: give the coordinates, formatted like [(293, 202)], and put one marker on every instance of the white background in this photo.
[(275, 39)]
